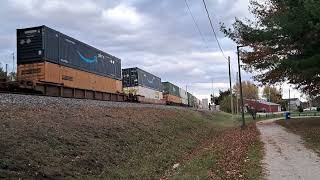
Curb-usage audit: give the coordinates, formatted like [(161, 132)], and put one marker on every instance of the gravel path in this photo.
[(285, 155)]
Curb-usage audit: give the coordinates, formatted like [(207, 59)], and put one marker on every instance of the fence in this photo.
[(293, 114)]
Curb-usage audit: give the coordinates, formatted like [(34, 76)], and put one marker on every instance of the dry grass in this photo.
[(233, 154), (97, 142), (307, 128)]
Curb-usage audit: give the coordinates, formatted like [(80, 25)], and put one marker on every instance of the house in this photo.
[(294, 103), (262, 106)]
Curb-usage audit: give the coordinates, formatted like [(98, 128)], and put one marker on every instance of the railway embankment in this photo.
[(57, 138)]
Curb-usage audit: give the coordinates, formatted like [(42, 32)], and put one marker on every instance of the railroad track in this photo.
[(55, 90)]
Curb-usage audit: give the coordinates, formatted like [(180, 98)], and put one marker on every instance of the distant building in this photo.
[(262, 106), (205, 103), (294, 103)]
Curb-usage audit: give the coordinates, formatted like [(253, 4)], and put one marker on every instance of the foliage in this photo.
[(316, 101), (222, 95), (2, 74), (225, 104), (252, 112), (249, 90), (12, 76), (275, 95), (300, 109), (234, 154), (283, 41)]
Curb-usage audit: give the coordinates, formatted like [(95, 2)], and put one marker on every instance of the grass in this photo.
[(253, 169), (233, 154), (111, 143), (307, 128), (198, 167)]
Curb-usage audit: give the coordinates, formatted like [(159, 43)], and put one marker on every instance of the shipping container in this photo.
[(133, 77), (171, 99), (68, 77), (199, 105), (169, 88), (184, 96), (43, 44), (191, 100), (143, 91)]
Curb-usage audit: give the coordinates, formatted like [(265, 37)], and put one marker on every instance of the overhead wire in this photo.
[(214, 32), (196, 24)]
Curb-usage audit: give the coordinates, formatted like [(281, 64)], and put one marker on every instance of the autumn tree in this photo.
[(283, 42), (249, 90), (272, 94)]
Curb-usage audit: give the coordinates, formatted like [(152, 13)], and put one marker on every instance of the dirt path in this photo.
[(285, 155)]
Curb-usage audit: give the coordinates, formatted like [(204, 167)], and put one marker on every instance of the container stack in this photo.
[(184, 97), (142, 84), (171, 93), (46, 55)]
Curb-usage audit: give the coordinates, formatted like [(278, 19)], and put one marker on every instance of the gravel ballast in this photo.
[(41, 101)]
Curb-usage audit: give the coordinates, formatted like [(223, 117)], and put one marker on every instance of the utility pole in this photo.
[(289, 100), (6, 70), (230, 83), (13, 70), (237, 94), (212, 96), (240, 83), (269, 100)]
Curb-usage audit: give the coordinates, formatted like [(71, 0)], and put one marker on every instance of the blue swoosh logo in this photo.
[(88, 60)]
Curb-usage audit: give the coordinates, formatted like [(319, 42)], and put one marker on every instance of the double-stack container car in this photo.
[(56, 64), (144, 85), (171, 93)]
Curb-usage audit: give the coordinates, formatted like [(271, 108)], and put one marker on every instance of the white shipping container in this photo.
[(205, 103), (143, 91), (184, 96)]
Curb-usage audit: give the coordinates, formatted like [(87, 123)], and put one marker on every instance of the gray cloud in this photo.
[(158, 36)]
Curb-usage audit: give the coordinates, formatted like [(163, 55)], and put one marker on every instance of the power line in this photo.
[(196, 24), (214, 32)]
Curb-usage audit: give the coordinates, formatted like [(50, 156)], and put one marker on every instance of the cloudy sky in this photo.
[(157, 36)]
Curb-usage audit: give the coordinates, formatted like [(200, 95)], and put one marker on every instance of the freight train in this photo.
[(54, 64)]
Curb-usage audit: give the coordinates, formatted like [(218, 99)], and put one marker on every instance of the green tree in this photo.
[(12, 76), (2, 74), (272, 94), (249, 90), (225, 104), (283, 41), (222, 95)]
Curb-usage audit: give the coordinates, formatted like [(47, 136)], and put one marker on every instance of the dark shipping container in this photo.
[(41, 43), (190, 99), (137, 77), (169, 88)]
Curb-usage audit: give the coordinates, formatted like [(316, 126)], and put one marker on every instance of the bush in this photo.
[(300, 109), (225, 104)]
